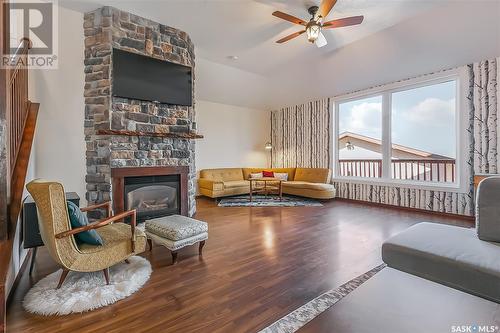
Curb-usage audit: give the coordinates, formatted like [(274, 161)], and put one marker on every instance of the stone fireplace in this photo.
[(156, 133)]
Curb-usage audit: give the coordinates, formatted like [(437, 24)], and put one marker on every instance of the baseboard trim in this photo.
[(411, 209)]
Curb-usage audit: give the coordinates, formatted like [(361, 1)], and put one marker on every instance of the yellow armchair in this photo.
[(120, 240)]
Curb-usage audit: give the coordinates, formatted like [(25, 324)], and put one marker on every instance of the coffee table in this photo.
[(271, 185)]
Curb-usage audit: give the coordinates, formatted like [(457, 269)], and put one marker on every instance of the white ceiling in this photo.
[(246, 28), (398, 39)]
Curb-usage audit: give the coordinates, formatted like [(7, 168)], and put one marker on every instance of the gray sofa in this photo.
[(464, 259)]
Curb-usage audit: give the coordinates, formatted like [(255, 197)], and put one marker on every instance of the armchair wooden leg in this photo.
[(106, 275), (174, 257), (200, 248), (63, 277), (150, 243)]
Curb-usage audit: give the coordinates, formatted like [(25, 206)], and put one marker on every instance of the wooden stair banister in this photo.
[(17, 102), (18, 117), (21, 164), (16, 109)]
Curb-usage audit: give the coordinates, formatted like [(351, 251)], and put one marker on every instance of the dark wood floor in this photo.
[(259, 264)]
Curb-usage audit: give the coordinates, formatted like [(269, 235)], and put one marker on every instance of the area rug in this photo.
[(82, 292), (269, 201), (307, 312)]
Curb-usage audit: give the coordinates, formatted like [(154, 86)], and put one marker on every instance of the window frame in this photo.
[(458, 75)]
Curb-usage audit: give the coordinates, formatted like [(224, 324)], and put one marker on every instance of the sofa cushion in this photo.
[(307, 185), (268, 174), (256, 175), (289, 171), (312, 175), (281, 175), (236, 183), (488, 209), (117, 247), (226, 174), (450, 255)]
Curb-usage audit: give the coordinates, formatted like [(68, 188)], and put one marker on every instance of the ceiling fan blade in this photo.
[(343, 22), (287, 38), (325, 7), (321, 40), (289, 18)]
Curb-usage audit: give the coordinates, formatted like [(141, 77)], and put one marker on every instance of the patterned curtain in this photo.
[(301, 137)]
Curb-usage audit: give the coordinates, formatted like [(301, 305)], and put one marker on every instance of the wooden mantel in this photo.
[(161, 135)]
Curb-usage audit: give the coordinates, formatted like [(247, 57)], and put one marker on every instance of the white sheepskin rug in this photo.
[(82, 292)]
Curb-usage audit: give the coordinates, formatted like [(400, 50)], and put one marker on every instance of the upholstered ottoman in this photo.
[(176, 231)]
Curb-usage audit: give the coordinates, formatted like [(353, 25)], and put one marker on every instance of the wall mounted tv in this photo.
[(149, 79)]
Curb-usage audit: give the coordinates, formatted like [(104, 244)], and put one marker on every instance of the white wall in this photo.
[(229, 85), (59, 138), (234, 136)]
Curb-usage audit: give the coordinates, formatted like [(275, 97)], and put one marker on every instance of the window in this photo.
[(360, 137), (424, 133), (400, 133)]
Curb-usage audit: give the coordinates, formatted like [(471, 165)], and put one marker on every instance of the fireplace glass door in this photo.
[(152, 196)]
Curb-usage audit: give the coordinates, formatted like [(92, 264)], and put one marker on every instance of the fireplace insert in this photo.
[(152, 196)]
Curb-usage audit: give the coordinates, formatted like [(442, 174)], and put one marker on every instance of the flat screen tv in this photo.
[(149, 79)]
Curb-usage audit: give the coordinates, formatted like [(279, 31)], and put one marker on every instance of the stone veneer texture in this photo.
[(108, 28)]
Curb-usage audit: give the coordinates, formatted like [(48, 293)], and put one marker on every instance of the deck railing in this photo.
[(429, 170), (361, 168)]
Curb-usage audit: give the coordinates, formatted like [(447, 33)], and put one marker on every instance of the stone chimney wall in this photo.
[(106, 29)]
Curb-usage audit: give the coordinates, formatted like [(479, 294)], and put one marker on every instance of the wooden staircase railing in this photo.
[(19, 116), (21, 121), (17, 101)]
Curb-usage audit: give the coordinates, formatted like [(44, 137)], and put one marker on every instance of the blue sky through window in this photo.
[(422, 118), (362, 116)]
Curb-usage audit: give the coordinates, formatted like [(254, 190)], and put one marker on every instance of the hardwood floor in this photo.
[(258, 265)]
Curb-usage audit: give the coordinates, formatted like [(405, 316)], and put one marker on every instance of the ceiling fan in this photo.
[(315, 25)]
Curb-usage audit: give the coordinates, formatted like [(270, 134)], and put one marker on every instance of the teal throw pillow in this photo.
[(79, 219)]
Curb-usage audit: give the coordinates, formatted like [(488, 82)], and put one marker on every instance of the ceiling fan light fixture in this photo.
[(313, 30), (316, 24)]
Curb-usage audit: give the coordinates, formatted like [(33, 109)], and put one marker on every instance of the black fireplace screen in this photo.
[(152, 196)]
